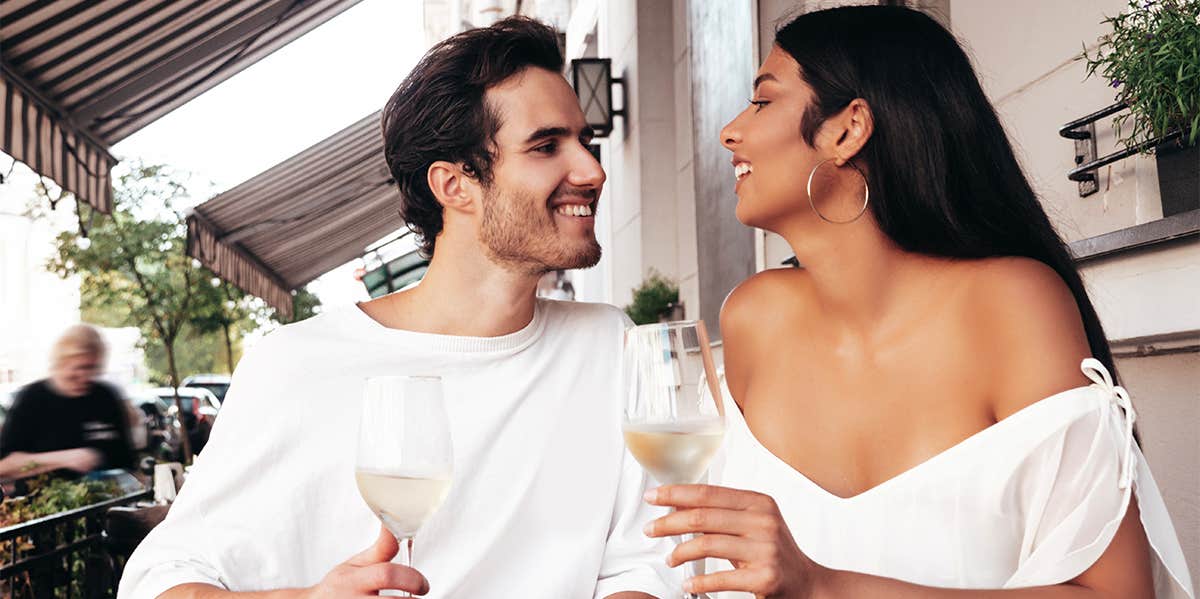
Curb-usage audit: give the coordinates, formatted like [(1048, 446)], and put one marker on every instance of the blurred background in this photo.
[(187, 177)]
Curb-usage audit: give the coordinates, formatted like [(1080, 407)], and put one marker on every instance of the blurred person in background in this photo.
[(68, 423)]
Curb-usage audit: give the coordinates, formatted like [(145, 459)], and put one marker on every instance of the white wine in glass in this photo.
[(674, 420), (405, 463)]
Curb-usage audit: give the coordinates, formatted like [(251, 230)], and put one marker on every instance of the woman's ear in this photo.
[(856, 123), (453, 188)]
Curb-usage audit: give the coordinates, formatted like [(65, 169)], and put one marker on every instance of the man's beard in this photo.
[(519, 232)]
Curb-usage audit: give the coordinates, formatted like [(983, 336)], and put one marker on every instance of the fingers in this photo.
[(714, 521), (378, 577), (690, 496), (760, 582), (384, 549), (735, 549)]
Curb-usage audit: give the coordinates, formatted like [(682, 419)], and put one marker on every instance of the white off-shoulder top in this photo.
[(1032, 500)]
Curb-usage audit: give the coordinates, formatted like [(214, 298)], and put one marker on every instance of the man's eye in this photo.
[(549, 148)]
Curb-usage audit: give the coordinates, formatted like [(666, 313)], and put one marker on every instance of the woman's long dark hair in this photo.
[(943, 177)]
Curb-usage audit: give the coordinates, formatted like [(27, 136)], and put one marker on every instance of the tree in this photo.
[(133, 267), (226, 310)]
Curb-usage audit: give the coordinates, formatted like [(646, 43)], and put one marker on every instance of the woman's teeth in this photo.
[(741, 170), (574, 210)]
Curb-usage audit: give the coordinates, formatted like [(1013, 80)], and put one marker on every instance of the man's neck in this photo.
[(462, 294)]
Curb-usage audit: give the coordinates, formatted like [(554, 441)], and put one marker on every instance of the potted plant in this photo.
[(1152, 59), (655, 300)]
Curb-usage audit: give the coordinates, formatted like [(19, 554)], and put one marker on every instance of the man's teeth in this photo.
[(574, 210), (741, 170)]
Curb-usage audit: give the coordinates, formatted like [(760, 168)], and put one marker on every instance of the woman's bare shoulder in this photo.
[(1027, 324), (763, 297)]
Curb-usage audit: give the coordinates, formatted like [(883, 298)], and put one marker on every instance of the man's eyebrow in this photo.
[(764, 77), (552, 132)]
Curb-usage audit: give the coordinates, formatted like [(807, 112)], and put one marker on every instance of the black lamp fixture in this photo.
[(593, 81)]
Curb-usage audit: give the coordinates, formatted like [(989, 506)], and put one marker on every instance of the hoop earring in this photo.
[(866, 194)]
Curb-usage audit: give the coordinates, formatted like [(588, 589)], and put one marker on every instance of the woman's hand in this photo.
[(743, 527)]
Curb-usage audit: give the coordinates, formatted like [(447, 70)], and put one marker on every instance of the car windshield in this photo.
[(217, 389), (185, 402)]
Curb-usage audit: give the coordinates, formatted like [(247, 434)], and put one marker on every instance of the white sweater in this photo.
[(545, 500)]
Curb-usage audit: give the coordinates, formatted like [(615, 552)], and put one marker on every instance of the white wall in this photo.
[(35, 305)]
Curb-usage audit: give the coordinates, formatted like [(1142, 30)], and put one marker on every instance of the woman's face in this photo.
[(771, 160)]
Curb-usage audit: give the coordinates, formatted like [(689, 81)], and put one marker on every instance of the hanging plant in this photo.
[(1152, 59)]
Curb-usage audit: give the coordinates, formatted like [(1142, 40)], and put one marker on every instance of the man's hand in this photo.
[(369, 572), (363, 575)]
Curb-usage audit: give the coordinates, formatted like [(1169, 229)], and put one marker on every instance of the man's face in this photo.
[(539, 212), (73, 375)]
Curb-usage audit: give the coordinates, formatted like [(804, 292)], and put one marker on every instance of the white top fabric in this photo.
[(543, 503), (1032, 500)]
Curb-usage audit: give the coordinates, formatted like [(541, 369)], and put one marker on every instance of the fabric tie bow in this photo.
[(1095, 370)]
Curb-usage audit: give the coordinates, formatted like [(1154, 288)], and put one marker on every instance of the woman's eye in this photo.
[(758, 104)]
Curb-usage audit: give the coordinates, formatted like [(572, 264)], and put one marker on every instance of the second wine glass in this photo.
[(674, 420), (405, 463)]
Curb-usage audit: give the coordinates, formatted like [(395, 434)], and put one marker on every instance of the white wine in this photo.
[(674, 452), (402, 502)]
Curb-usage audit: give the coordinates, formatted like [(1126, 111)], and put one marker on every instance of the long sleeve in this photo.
[(632, 561), (247, 516)]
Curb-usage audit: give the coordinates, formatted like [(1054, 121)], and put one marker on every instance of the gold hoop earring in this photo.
[(866, 194)]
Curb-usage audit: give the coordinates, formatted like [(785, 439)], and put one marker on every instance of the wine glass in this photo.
[(674, 421), (404, 464)]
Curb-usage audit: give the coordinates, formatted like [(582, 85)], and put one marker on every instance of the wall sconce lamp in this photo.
[(593, 81)]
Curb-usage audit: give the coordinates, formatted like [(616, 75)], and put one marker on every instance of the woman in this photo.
[(907, 413)]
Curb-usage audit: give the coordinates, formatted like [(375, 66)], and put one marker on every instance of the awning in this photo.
[(78, 76), (300, 219)]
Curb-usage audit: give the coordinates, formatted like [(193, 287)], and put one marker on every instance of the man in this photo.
[(68, 423), (488, 146)]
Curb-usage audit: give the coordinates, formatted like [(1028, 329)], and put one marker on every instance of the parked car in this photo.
[(217, 383), (164, 431), (199, 411)]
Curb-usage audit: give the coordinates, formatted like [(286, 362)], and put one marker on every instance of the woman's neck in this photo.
[(863, 282)]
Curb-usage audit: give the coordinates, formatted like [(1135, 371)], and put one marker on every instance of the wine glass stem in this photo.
[(407, 548), (689, 567)]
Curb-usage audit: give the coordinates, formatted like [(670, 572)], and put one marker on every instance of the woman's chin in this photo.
[(750, 217)]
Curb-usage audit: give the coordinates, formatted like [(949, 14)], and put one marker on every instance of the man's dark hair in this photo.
[(439, 112)]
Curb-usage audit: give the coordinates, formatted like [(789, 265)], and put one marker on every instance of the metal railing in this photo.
[(62, 555), (1083, 131)]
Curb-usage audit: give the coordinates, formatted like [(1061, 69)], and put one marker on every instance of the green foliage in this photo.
[(51, 495), (1152, 57), (195, 353), (304, 305), (654, 299), (133, 270)]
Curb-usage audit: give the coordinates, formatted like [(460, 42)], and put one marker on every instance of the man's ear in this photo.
[(855, 124), (453, 188)]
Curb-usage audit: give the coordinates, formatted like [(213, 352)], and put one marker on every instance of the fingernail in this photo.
[(648, 529), (689, 586), (651, 495)]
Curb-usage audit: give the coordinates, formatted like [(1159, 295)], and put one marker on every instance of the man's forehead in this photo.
[(532, 100)]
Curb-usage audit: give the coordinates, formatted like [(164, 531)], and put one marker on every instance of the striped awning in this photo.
[(302, 218), (78, 76)]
